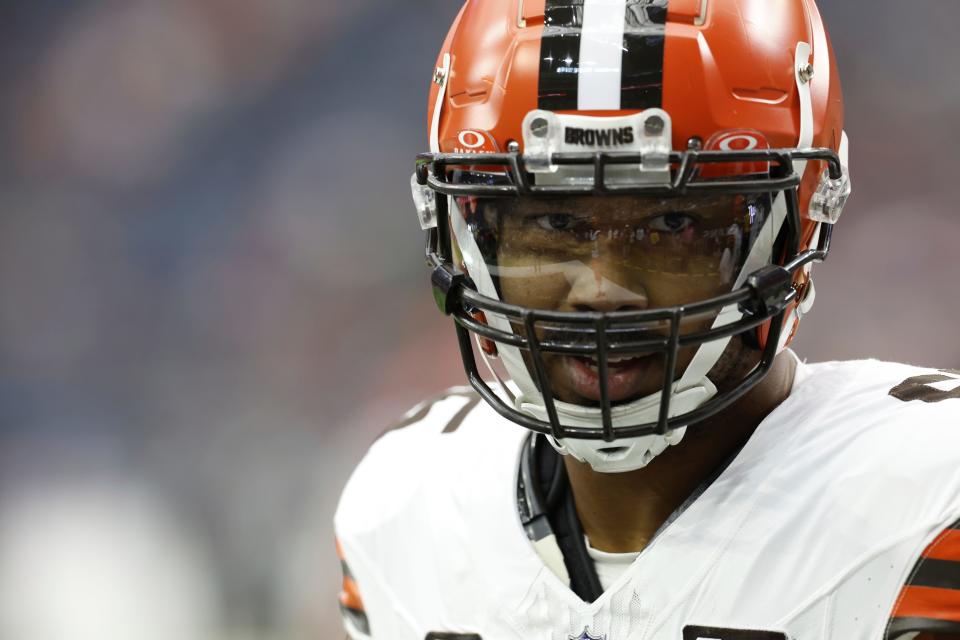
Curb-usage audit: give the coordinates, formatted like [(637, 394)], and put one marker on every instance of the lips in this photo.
[(626, 376)]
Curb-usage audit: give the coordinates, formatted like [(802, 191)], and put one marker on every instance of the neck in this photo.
[(620, 512)]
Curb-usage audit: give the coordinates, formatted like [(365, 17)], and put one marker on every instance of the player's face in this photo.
[(617, 254)]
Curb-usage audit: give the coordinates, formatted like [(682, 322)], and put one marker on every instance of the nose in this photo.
[(591, 290)]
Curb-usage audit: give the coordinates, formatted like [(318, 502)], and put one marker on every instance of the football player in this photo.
[(623, 201)]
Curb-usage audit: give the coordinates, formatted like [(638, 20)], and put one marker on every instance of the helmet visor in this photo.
[(614, 254)]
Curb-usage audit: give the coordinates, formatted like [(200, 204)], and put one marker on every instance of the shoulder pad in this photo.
[(397, 467)]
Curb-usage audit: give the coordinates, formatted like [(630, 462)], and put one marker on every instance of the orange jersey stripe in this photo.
[(945, 547), (928, 602), (350, 596)]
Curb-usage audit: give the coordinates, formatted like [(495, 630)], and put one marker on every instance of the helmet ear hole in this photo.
[(488, 346)]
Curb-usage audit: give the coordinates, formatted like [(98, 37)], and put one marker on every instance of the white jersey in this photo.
[(811, 533)]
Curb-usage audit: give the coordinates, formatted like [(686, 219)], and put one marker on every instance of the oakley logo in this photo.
[(739, 142), (471, 139), (599, 137)]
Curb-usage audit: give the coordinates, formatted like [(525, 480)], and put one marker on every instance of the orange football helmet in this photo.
[(615, 191)]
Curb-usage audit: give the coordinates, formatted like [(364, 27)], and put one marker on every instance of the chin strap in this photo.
[(803, 78), (623, 454), (760, 254), (488, 360)]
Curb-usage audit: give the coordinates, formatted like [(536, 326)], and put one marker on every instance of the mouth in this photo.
[(627, 376)]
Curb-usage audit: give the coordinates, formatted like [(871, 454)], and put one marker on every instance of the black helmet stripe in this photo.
[(582, 67), (560, 54), (641, 82)]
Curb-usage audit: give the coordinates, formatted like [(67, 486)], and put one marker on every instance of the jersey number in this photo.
[(921, 387), (692, 632)]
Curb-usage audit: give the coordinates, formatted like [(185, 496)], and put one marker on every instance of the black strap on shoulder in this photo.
[(546, 506), (554, 487)]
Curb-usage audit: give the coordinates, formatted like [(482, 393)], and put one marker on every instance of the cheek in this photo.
[(674, 289), (522, 285)]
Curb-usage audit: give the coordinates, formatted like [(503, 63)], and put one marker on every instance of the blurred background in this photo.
[(214, 298)]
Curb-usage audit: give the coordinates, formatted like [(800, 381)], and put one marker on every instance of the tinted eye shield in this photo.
[(764, 296)]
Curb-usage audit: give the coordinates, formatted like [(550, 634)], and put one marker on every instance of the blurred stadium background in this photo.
[(213, 296)]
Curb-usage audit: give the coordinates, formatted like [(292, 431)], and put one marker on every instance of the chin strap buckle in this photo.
[(831, 196), (447, 285), (424, 199), (772, 288)]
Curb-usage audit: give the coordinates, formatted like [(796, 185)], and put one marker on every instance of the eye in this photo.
[(555, 221), (671, 222)]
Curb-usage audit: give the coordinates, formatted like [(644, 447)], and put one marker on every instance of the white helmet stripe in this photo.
[(442, 74), (601, 55), (480, 274)]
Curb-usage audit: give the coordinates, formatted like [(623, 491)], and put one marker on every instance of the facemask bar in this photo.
[(431, 172), (764, 297)]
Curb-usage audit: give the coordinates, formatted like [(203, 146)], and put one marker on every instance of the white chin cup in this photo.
[(623, 454)]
